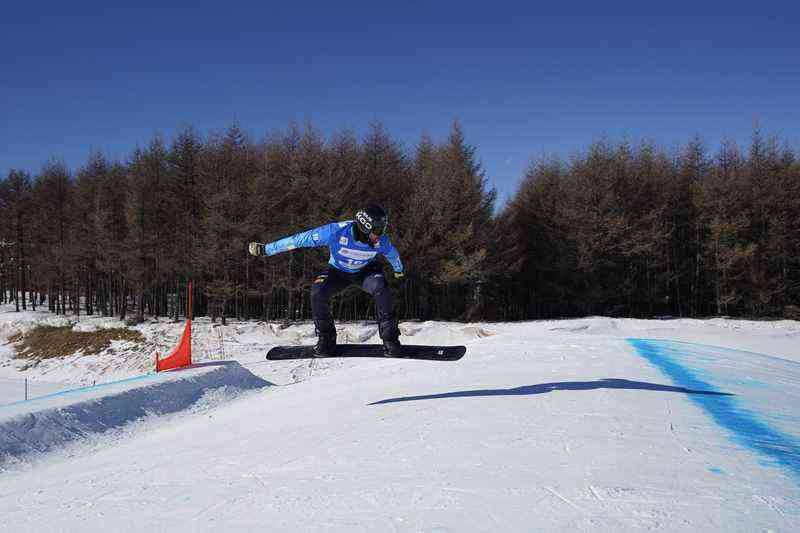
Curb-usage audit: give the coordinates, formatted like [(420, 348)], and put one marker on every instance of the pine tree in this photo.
[(18, 197), (185, 162), (53, 194), (111, 231), (229, 181)]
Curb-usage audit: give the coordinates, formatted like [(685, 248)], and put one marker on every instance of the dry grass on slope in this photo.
[(44, 342)]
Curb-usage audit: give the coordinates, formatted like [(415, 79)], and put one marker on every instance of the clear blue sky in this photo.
[(523, 81)]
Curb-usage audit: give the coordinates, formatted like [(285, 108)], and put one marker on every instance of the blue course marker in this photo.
[(747, 428)]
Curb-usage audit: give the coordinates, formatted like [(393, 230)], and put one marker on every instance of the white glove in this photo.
[(257, 249)]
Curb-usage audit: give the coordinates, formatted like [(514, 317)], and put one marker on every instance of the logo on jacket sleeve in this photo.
[(343, 240)]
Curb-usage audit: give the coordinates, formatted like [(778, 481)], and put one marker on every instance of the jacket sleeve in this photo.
[(320, 236), (390, 253)]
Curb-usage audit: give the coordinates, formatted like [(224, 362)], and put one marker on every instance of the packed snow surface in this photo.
[(573, 425)]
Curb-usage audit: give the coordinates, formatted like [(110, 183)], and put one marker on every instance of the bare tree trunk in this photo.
[(16, 288)]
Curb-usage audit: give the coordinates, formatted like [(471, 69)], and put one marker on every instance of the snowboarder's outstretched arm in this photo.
[(390, 253), (305, 239)]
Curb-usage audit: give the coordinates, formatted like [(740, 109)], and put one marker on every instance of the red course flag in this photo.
[(181, 356)]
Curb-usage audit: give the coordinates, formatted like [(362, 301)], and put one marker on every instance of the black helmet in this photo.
[(372, 219)]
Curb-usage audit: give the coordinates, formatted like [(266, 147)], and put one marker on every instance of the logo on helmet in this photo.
[(364, 220)]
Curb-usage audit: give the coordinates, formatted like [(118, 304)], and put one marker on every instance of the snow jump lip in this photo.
[(47, 423), (750, 416)]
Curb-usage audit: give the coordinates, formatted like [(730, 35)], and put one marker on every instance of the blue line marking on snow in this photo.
[(82, 389), (690, 345), (746, 428)]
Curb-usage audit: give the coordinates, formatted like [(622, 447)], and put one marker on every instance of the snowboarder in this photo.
[(354, 246)]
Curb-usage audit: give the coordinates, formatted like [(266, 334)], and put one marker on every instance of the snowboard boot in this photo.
[(390, 333), (392, 348), (326, 345)]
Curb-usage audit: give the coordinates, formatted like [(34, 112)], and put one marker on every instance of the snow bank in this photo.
[(41, 425)]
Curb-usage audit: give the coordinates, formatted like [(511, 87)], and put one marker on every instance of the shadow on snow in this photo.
[(543, 388)]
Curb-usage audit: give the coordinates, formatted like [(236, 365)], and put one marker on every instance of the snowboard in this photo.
[(410, 351)]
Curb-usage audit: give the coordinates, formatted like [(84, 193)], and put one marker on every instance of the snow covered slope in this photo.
[(579, 425), (53, 421)]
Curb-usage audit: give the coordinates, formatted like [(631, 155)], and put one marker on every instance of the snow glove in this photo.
[(399, 277), (257, 249)]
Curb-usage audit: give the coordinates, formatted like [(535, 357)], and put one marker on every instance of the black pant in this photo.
[(371, 280)]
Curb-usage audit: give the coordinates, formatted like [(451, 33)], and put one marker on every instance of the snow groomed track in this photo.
[(573, 425), (755, 413)]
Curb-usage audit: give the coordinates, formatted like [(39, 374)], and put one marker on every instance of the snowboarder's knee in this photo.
[(318, 290), (375, 284)]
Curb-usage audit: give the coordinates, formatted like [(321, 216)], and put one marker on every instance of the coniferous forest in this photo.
[(619, 229)]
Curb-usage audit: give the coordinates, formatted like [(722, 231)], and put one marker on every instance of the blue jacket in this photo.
[(347, 253)]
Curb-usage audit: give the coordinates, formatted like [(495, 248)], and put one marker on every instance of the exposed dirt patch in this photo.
[(44, 342)]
